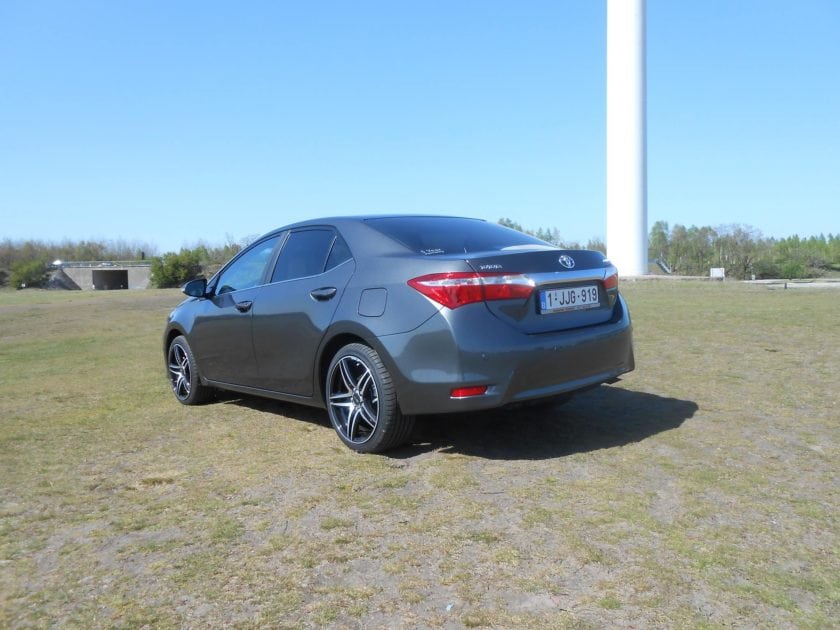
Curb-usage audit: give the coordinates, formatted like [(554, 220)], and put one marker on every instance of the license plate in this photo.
[(570, 299)]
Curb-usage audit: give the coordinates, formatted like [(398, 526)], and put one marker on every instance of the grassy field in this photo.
[(701, 491)]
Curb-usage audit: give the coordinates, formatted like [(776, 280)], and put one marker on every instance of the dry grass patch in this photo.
[(700, 491)]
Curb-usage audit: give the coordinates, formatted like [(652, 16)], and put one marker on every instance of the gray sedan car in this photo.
[(381, 318)]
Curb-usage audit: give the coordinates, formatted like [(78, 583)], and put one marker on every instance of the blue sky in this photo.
[(174, 122)]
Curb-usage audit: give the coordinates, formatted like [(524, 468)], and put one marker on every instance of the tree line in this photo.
[(740, 249), (691, 251), (553, 236), (29, 263)]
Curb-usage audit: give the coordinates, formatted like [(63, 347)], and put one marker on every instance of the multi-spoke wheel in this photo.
[(183, 374), (362, 403)]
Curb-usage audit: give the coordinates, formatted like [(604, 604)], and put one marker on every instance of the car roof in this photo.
[(341, 220), (355, 230)]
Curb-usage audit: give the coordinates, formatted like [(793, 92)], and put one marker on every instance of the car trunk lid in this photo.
[(571, 288)]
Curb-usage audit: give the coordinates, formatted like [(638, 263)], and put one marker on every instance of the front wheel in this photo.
[(183, 373), (362, 402)]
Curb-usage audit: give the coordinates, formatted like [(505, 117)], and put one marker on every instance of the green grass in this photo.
[(701, 491)]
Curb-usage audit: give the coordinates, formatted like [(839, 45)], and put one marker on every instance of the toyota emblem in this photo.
[(567, 261)]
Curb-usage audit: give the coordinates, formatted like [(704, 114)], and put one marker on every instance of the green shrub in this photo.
[(793, 269), (765, 269), (173, 270), (29, 274)]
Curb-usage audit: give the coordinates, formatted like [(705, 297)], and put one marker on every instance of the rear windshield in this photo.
[(432, 236)]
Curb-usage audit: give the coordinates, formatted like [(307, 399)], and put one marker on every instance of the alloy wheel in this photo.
[(179, 371), (353, 399)]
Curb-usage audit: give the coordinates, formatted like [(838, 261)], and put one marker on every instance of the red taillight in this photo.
[(458, 288), (611, 282), (466, 392)]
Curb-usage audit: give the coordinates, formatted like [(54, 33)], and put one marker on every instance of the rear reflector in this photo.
[(456, 289), (466, 392)]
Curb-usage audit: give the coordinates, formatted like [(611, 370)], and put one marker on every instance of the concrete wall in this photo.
[(139, 277)]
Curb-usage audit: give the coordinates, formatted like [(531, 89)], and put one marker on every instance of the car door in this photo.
[(294, 310), (222, 339)]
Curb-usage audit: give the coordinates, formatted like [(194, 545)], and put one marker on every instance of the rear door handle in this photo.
[(324, 293), (244, 307)]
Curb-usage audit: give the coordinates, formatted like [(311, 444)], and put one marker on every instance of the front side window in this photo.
[(247, 270), (304, 254)]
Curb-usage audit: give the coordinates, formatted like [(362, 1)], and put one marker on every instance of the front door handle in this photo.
[(324, 293), (244, 307)]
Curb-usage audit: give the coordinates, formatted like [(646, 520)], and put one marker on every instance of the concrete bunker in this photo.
[(103, 276)]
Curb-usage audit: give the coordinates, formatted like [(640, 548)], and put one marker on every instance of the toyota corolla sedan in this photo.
[(378, 319)]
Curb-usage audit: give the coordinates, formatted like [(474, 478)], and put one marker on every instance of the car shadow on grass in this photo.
[(302, 413), (605, 417)]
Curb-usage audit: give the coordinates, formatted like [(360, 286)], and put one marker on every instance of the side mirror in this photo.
[(196, 288)]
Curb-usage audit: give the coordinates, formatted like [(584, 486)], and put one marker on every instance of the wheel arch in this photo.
[(169, 336), (337, 339)]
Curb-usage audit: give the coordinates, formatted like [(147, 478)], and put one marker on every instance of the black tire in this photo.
[(362, 403), (183, 374)]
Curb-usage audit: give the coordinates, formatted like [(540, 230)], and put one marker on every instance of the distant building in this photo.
[(102, 275)]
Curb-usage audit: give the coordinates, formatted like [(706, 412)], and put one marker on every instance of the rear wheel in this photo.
[(362, 402), (183, 373)]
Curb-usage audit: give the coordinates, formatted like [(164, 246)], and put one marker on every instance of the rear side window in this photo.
[(338, 254), (432, 236), (304, 254)]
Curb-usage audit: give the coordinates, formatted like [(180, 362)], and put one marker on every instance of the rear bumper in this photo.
[(462, 348)]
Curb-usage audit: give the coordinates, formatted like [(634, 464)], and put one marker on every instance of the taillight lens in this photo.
[(458, 288), (611, 285)]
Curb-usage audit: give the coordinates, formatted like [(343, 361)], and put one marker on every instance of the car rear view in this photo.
[(517, 319)]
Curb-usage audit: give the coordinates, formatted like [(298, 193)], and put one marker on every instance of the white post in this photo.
[(626, 137)]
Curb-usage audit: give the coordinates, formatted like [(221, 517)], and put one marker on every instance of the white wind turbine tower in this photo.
[(626, 137)]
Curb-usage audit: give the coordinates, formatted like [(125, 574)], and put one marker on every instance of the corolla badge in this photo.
[(567, 261)]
